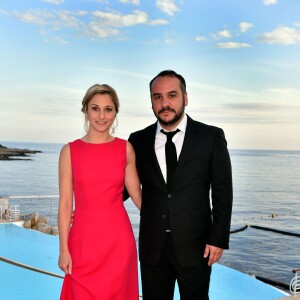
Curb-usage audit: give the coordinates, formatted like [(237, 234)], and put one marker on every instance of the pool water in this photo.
[(41, 251), (36, 250)]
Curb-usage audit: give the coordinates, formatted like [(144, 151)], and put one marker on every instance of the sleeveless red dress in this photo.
[(101, 240)]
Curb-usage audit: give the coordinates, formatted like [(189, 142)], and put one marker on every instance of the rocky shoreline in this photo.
[(34, 222), (16, 153)]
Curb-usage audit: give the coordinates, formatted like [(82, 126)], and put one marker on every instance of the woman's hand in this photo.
[(65, 262)]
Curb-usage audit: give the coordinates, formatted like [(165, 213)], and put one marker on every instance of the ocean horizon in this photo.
[(266, 193), (15, 144)]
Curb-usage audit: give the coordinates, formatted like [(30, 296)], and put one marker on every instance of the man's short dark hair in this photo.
[(171, 73)]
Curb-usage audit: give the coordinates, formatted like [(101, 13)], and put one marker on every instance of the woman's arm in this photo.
[(65, 208), (132, 182)]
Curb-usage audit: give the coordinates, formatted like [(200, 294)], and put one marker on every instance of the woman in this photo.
[(98, 254)]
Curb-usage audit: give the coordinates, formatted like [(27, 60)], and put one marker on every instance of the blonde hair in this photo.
[(98, 89)]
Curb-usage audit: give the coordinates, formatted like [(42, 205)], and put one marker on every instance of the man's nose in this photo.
[(165, 101)]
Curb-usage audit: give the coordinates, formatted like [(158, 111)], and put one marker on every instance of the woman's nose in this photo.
[(101, 114)]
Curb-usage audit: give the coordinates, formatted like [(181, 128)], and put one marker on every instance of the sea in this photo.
[(266, 194)]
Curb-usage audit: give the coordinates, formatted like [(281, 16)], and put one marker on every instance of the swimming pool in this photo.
[(34, 249), (41, 251)]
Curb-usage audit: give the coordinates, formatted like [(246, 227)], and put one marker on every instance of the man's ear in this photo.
[(186, 100)]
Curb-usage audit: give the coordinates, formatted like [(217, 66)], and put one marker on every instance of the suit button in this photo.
[(169, 196), (163, 216)]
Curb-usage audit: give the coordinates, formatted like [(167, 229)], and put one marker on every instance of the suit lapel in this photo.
[(187, 147), (152, 154)]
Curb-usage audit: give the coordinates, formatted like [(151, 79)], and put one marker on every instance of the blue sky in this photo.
[(240, 58)]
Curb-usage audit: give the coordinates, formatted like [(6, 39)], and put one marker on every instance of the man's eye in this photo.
[(172, 95), (156, 97)]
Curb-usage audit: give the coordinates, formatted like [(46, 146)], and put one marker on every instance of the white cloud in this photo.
[(56, 2), (282, 35), (245, 26), (134, 2), (158, 22), (108, 23), (55, 20), (200, 38), (55, 40), (170, 41), (233, 45), (292, 94), (167, 6), (222, 34), (116, 19), (36, 17), (270, 2), (96, 24), (97, 31)]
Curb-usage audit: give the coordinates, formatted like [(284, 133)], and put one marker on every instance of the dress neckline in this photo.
[(98, 143)]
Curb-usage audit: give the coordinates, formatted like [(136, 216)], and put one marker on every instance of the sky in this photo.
[(240, 59)]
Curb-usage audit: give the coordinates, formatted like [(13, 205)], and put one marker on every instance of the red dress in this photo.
[(101, 240)]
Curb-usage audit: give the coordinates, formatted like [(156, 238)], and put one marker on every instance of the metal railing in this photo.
[(10, 212), (43, 205), (295, 283)]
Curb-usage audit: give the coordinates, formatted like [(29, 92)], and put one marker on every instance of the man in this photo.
[(182, 232)]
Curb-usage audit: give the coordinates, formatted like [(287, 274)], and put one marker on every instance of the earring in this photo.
[(114, 125)]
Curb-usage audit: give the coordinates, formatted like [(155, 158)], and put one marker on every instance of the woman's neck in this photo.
[(97, 138)]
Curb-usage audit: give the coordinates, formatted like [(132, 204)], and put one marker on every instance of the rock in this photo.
[(34, 220), (54, 230), (42, 220), (12, 153), (44, 228), (27, 224), (27, 217)]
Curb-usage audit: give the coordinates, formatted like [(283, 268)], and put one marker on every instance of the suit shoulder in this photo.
[(143, 132), (206, 127)]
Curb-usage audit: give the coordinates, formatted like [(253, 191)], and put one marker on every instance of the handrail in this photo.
[(12, 262), (32, 197), (239, 229), (276, 230)]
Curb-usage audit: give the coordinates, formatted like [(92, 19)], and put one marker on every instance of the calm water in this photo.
[(266, 183)]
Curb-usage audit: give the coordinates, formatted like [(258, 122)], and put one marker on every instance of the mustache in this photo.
[(166, 109)]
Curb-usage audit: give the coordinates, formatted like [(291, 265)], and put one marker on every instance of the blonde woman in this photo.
[(98, 254)]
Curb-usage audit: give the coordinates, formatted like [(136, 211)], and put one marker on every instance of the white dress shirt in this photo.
[(161, 139)]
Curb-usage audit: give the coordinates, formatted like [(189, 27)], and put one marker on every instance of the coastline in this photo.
[(16, 153)]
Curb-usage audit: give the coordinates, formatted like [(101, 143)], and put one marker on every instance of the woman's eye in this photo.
[(95, 108), (109, 109)]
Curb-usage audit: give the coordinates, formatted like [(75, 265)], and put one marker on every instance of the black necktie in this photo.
[(171, 155)]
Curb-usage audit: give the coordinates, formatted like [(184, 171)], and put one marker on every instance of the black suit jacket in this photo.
[(203, 165)]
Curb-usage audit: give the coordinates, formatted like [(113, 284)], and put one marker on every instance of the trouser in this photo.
[(158, 282)]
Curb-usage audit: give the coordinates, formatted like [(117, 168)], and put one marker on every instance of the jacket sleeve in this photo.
[(221, 192), (125, 192)]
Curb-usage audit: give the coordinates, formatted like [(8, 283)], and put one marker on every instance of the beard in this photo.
[(175, 119)]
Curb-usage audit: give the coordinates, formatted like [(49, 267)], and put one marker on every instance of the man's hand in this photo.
[(214, 254), (72, 217)]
